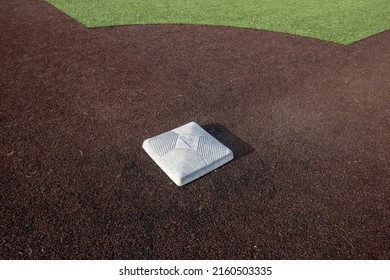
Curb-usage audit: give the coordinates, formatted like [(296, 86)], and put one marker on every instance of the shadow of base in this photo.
[(239, 147)]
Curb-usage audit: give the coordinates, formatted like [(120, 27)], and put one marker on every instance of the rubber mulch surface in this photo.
[(308, 122)]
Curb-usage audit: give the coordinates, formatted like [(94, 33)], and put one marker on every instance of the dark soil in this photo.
[(307, 120)]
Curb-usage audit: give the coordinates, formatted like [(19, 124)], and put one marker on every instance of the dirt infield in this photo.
[(308, 122)]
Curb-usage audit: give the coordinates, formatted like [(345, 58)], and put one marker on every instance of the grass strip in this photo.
[(339, 21)]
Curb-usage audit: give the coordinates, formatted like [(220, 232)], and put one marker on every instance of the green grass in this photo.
[(340, 21)]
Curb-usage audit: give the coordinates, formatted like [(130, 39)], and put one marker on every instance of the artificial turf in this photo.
[(340, 21)]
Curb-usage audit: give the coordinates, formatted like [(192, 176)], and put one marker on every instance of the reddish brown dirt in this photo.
[(307, 120)]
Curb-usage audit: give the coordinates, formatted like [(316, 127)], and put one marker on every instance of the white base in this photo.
[(187, 153)]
